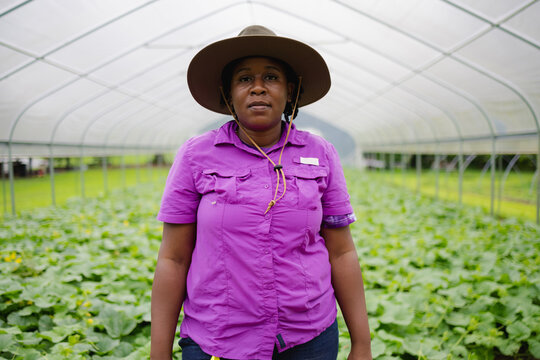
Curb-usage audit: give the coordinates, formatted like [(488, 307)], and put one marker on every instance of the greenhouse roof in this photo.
[(106, 77)]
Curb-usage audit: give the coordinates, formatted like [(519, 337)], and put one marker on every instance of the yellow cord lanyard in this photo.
[(278, 168)]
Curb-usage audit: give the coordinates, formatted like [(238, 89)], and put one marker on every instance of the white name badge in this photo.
[(309, 161)]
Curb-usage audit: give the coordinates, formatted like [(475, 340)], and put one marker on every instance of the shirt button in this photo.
[(267, 252), (266, 186)]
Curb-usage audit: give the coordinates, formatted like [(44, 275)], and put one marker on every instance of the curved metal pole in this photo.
[(15, 7), (71, 41), (474, 67), (450, 54), (498, 24), (43, 96)]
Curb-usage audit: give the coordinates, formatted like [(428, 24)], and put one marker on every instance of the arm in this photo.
[(169, 288), (349, 289)]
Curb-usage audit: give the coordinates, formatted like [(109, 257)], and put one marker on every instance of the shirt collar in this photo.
[(227, 135)]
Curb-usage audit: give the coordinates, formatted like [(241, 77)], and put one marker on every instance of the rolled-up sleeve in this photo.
[(335, 199), (180, 198)]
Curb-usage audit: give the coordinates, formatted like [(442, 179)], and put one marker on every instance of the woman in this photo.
[(256, 241)]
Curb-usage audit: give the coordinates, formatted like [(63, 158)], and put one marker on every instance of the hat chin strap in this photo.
[(278, 168)]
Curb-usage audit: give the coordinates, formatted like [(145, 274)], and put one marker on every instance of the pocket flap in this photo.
[(306, 172), (227, 172)]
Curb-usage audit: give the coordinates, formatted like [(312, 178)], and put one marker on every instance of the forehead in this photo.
[(259, 62)]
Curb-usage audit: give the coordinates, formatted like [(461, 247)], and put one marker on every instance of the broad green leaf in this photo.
[(509, 347), (6, 341), (377, 347), (396, 314), (534, 347), (102, 342), (22, 321), (518, 331), (123, 350), (57, 334), (9, 286), (28, 338), (28, 354), (458, 319), (116, 323)]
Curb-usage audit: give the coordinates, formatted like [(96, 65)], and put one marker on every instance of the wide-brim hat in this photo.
[(204, 72)]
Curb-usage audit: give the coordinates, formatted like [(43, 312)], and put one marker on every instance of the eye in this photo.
[(244, 78), (271, 77)]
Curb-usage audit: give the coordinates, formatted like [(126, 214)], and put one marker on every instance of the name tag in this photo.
[(309, 161)]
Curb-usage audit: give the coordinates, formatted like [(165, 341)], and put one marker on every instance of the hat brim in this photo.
[(204, 72)]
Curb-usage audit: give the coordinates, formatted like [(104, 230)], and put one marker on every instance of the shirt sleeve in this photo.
[(180, 198), (335, 200), (337, 221)]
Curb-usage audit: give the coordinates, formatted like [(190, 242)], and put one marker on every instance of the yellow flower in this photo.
[(88, 314), (126, 223), (90, 321), (87, 304), (7, 259), (88, 232), (29, 302), (79, 302), (13, 255), (18, 260)]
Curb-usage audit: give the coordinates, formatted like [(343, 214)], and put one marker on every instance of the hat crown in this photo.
[(256, 30)]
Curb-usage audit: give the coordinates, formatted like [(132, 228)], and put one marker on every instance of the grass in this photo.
[(517, 198), (31, 193)]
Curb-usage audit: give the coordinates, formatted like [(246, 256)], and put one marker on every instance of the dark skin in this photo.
[(259, 92), (169, 287)]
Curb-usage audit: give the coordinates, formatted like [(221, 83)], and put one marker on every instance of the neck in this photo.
[(263, 139)]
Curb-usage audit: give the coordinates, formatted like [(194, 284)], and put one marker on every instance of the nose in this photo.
[(258, 87)]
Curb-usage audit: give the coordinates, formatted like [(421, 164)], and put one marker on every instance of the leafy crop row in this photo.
[(441, 281), (76, 280), (445, 281)]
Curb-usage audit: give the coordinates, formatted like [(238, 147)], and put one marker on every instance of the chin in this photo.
[(260, 124)]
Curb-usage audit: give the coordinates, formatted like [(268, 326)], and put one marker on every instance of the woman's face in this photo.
[(259, 92)]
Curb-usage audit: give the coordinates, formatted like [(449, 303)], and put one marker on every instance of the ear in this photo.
[(290, 89)]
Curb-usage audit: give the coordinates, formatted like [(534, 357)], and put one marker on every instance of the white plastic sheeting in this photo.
[(105, 77)]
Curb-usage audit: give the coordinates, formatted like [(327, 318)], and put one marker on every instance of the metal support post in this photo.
[(492, 161), (437, 171), (538, 184), (51, 174), (137, 169), (11, 180), (461, 171), (81, 169), (499, 188), (104, 170), (403, 167), (123, 167), (4, 195), (418, 173)]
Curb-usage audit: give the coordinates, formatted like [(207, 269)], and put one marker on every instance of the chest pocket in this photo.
[(310, 182), (229, 185)]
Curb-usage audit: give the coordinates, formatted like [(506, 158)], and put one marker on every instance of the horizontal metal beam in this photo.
[(89, 146), (465, 139)]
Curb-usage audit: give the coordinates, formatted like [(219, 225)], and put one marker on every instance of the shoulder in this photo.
[(315, 142)]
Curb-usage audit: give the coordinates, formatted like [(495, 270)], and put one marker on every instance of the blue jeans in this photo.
[(323, 347)]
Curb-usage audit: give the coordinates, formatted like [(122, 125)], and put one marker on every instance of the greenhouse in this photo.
[(434, 109)]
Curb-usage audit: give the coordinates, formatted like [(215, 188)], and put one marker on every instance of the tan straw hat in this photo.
[(204, 72)]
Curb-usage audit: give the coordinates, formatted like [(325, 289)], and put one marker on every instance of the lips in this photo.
[(258, 105)]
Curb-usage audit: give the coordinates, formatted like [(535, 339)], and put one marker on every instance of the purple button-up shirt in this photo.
[(256, 281)]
